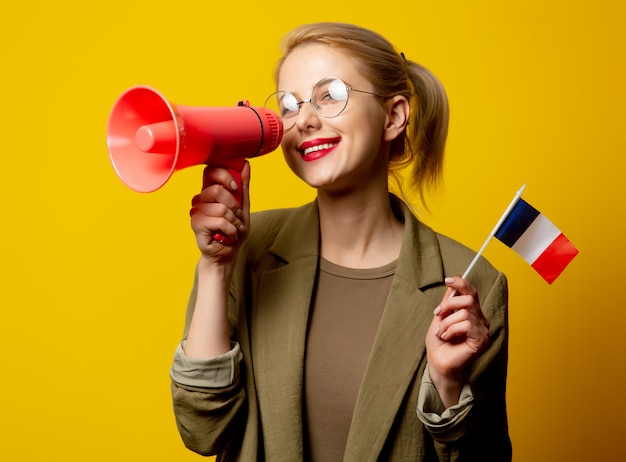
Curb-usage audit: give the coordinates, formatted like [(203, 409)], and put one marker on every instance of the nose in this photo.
[(307, 116)]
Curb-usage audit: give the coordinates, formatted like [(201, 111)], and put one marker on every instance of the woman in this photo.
[(328, 332)]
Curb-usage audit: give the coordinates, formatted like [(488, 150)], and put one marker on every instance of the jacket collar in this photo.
[(420, 259)]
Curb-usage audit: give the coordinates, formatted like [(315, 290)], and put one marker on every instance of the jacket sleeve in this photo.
[(208, 396), (479, 430), (430, 409)]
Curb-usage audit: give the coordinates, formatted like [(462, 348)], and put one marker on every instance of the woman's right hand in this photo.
[(215, 211)]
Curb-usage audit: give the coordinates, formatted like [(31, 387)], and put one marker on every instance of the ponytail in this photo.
[(421, 151)]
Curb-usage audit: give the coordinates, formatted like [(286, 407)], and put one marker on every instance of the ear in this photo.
[(397, 117)]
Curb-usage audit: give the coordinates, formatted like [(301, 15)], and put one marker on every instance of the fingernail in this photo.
[(233, 185), (239, 213), (437, 311), (449, 280)]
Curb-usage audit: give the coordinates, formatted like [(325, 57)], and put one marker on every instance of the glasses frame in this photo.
[(289, 122)]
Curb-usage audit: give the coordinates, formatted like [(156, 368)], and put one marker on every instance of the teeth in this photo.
[(318, 147)]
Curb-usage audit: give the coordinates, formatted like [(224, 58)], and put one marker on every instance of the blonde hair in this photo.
[(423, 144)]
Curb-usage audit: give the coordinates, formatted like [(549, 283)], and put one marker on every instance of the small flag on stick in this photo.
[(527, 231), (536, 240)]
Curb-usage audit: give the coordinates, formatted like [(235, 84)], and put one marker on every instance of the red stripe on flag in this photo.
[(555, 258)]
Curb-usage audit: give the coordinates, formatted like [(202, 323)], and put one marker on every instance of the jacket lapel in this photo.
[(279, 333), (399, 345)]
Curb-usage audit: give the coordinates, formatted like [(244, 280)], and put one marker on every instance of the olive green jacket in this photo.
[(254, 411)]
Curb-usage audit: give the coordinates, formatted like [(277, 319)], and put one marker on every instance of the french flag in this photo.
[(536, 240)]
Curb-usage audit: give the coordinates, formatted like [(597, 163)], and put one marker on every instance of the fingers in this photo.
[(217, 217), (460, 294), (463, 325), (460, 315), (212, 175), (215, 200), (459, 285), (218, 185)]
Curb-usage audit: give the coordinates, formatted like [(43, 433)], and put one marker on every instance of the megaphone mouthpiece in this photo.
[(157, 137)]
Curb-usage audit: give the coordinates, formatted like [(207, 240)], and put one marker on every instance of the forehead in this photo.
[(309, 63)]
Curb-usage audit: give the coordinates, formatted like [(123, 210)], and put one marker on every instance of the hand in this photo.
[(458, 333), (215, 211)]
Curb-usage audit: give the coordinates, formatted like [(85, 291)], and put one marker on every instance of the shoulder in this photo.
[(491, 284), (289, 232), (457, 257), (434, 255), (275, 218), (266, 224), (264, 227)]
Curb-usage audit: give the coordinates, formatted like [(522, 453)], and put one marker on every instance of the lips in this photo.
[(315, 149)]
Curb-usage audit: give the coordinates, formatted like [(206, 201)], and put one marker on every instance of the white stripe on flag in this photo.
[(536, 239)]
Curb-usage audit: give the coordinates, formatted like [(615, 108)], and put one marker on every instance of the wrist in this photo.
[(448, 385), (209, 267)]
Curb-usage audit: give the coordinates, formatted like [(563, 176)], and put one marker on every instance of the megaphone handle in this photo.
[(236, 174)]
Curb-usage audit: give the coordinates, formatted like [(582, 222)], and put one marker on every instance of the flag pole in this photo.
[(493, 232)]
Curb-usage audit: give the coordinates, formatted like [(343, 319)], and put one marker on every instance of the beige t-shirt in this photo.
[(347, 308)]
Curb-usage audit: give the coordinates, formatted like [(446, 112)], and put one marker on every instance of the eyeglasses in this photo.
[(329, 98)]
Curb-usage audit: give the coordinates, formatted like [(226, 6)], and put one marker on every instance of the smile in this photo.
[(319, 147)]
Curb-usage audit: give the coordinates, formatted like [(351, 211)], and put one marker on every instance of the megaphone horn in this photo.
[(149, 139)]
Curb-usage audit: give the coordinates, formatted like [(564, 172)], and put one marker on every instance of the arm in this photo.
[(458, 333), (207, 393), (208, 400), (215, 210), (475, 428)]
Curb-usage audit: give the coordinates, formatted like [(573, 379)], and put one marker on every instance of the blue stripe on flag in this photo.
[(518, 221)]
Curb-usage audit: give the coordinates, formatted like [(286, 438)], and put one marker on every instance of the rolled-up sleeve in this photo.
[(218, 372), (430, 409)]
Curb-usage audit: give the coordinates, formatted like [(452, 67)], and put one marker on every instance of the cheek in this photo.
[(289, 157), (288, 144), (290, 153)]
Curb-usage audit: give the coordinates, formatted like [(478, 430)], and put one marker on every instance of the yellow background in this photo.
[(94, 277)]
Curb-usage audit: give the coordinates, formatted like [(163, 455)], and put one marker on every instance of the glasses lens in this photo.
[(330, 97), (285, 105)]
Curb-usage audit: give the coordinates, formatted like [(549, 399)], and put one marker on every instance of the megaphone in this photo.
[(149, 139)]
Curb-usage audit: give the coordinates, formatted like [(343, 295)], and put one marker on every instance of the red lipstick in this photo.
[(318, 148)]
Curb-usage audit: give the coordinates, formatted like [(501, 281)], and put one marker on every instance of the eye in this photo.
[(337, 90), (288, 104)]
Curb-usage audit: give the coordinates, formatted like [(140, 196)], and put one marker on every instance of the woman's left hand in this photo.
[(458, 333)]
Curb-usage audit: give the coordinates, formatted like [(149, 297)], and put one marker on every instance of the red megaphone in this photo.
[(149, 139)]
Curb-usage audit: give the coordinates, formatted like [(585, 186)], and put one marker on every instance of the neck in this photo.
[(359, 231)]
